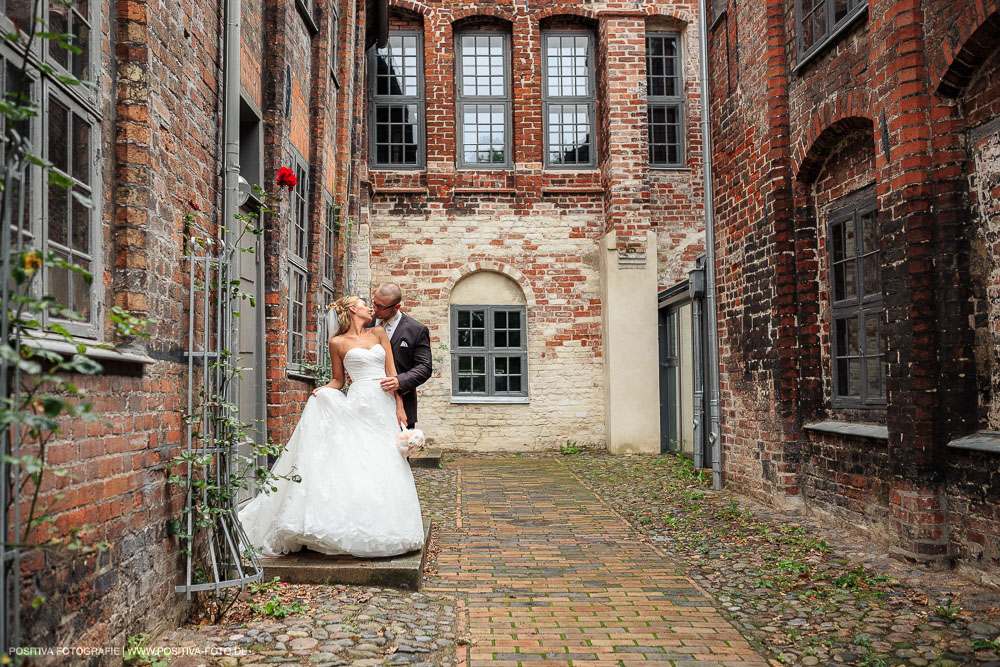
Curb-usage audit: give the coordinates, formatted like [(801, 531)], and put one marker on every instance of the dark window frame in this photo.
[(462, 99), (589, 100), (834, 28), (862, 306), (667, 101), (376, 100), (298, 264), (490, 352), (334, 44)]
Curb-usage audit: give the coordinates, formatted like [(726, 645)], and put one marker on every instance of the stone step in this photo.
[(309, 567), (429, 458)]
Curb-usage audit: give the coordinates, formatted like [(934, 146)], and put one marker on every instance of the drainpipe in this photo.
[(231, 115), (711, 310)]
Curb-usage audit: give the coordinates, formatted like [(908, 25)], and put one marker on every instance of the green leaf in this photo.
[(83, 199), (53, 405), (57, 178), (82, 364)]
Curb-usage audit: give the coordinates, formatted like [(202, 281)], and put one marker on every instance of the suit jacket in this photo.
[(411, 352)]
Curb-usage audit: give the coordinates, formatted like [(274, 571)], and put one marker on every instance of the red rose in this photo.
[(286, 178), (193, 205)]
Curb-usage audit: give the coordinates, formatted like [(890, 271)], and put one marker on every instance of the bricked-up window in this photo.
[(334, 39), (397, 102), (298, 257), (568, 98), (856, 294), (483, 99), (820, 21), (665, 104), (328, 271), (489, 356)]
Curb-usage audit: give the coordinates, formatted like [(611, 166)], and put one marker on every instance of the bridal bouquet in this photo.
[(410, 441)]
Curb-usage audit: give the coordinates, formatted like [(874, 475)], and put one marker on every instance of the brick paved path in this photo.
[(552, 576)]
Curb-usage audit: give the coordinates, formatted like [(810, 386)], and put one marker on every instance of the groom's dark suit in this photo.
[(411, 352)]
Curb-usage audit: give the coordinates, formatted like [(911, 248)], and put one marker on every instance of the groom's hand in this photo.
[(389, 384)]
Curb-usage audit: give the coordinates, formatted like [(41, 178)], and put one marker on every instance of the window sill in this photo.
[(679, 167), (860, 430), (490, 400), (398, 191), (307, 17), (553, 190), (294, 374), (62, 346), (981, 441), (484, 191)]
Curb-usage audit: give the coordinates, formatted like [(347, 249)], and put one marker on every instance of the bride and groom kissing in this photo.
[(356, 494)]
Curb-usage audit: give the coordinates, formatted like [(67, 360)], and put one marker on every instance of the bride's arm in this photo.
[(390, 383), (337, 368)]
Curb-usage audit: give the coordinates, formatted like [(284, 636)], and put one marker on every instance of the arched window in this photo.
[(489, 346)]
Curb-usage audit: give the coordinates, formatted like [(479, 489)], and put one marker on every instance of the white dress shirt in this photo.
[(390, 325)]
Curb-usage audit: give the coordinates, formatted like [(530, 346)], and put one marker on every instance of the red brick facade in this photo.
[(434, 225), (900, 105), (160, 146)]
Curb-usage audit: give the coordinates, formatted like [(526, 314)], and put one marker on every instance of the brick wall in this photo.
[(885, 107), (429, 227), (160, 142)]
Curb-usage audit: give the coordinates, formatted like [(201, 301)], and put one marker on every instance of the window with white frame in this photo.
[(665, 101), (59, 213), (298, 263), (489, 352), (396, 78), (819, 21), (568, 98), (483, 74), (858, 336)]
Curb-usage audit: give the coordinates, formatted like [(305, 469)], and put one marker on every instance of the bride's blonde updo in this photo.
[(339, 312)]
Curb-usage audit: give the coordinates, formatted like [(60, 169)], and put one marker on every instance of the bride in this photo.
[(356, 494)]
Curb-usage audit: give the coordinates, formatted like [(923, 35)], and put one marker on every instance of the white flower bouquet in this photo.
[(410, 441)]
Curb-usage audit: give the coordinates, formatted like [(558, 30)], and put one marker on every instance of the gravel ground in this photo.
[(802, 593)]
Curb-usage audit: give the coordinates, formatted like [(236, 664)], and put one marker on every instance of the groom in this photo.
[(411, 347)]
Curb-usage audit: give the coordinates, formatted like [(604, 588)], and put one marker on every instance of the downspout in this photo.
[(231, 118), (711, 310)]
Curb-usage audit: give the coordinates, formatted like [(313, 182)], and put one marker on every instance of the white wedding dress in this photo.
[(357, 494)]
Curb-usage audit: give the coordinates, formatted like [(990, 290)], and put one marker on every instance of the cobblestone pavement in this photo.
[(592, 559)]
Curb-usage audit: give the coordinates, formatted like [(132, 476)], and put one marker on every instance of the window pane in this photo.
[(484, 132), (850, 279), (482, 65), (479, 319), (81, 291), (58, 210), (843, 326), (464, 319), (81, 149), (397, 67), (397, 133), (19, 11), (569, 134), (59, 283), (662, 66), (58, 141), (80, 227), (871, 272), (664, 134), (478, 338), (854, 377), (872, 338), (58, 23)]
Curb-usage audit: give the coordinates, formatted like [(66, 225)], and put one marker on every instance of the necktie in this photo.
[(385, 325)]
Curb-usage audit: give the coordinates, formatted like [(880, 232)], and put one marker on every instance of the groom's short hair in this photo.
[(390, 292)]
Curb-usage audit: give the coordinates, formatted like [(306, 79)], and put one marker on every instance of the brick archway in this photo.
[(830, 123), (411, 5), (977, 39), (487, 265)]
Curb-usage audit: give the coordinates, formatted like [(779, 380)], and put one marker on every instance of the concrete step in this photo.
[(429, 458), (310, 567)]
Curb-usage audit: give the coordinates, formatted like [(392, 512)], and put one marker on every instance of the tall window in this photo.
[(665, 103), (59, 212), (856, 295), (484, 99), (568, 99), (298, 257), (397, 102), (819, 20), (328, 273), (489, 357)]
